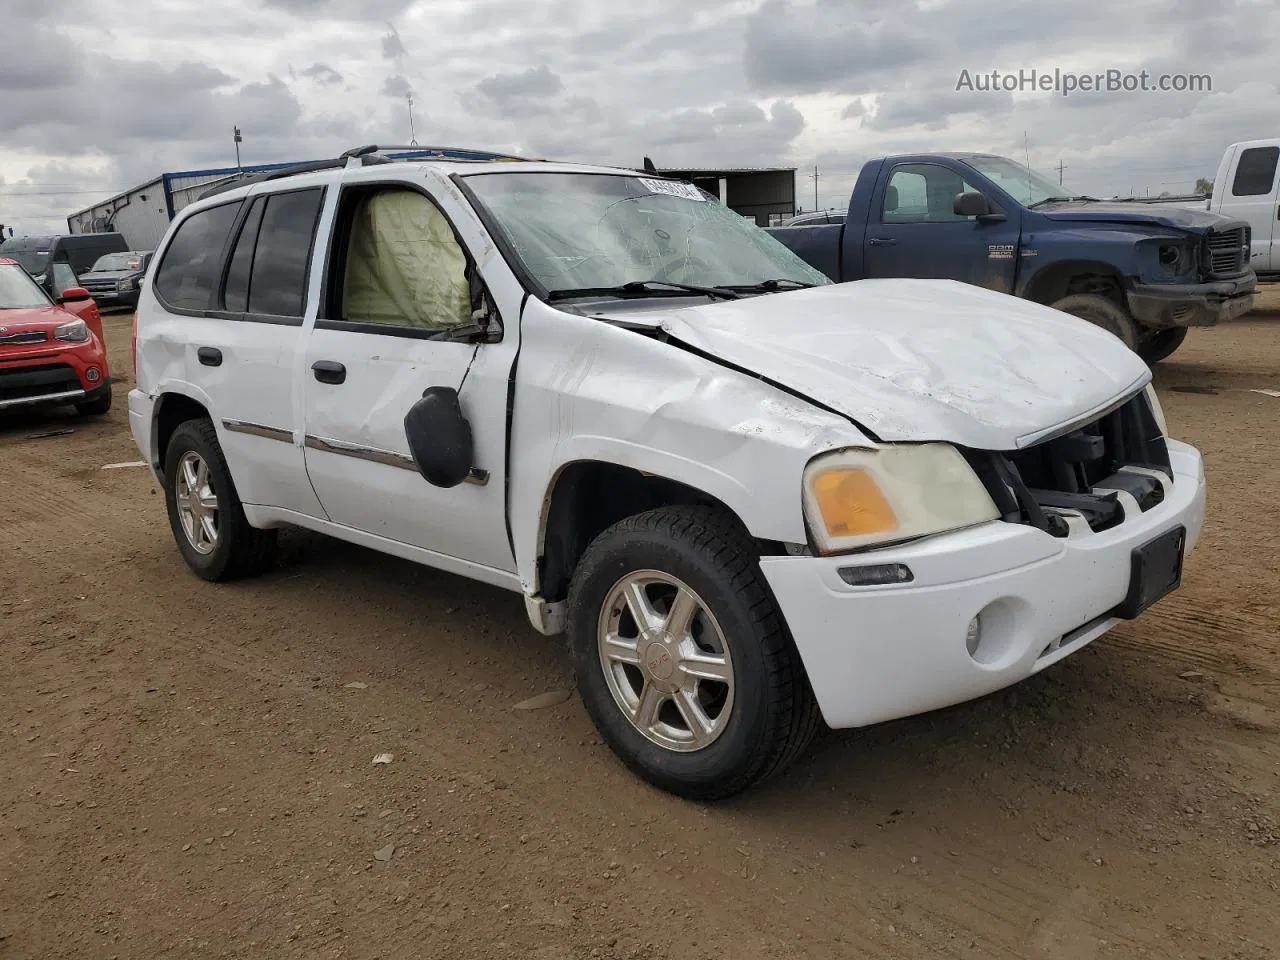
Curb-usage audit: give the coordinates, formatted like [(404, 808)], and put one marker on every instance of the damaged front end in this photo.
[(1097, 475)]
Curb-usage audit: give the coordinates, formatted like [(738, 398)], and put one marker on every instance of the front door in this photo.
[(399, 284), (919, 234), (1254, 197)]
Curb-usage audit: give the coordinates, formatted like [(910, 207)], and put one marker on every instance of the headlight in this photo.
[(1156, 410), (124, 285), (857, 498), (73, 332)]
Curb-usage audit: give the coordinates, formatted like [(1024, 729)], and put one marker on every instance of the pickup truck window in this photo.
[(1256, 172), (923, 193), (404, 265), (1024, 185), (577, 231), (189, 270)]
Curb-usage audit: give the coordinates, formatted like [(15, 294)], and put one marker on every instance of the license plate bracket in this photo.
[(1155, 571)]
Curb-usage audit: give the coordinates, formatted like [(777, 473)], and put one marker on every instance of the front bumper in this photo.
[(879, 653), (115, 298), (57, 375), (1160, 306)]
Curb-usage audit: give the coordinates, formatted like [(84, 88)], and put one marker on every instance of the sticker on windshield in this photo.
[(673, 188)]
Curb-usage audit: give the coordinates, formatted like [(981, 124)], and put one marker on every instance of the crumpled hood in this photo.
[(1162, 215), (920, 360)]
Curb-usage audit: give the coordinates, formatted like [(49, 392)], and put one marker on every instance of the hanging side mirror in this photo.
[(440, 437)]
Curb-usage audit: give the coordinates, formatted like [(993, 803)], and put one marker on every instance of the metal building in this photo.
[(767, 194), (143, 214)]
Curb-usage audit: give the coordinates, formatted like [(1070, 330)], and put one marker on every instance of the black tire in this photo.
[(97, 407), (773, 715), (240, 550), (1103, 313), (1161, 344)]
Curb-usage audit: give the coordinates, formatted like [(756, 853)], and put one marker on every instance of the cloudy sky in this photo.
[(97, 95)]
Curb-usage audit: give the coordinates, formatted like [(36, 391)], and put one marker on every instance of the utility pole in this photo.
[(814, 177), (413, 140), (1060, 165), (238, 138)]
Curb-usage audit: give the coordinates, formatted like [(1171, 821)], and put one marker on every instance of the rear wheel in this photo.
[(1161, 344), (1103, 313), (205, 514), (681, 656)]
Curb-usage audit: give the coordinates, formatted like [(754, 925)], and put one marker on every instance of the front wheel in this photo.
[(1103, 313), (97, 407), (1161, 344), (681, 656)]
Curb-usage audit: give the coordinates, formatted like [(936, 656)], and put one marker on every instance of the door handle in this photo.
[(881, 241), (329, 371), (209, 356)]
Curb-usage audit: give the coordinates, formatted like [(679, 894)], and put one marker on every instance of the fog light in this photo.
[(877, 575), (92, 375), (973, 636)]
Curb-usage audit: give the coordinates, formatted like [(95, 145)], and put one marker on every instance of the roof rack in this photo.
[(365, 156)]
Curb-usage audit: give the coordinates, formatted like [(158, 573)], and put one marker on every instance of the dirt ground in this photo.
[(188, 768)]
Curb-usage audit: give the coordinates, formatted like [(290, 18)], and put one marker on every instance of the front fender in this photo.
[(588, 390)]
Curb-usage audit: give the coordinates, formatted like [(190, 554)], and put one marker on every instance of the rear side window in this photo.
[(278, 276), (189, 271), (236, 297), (1256, 172)]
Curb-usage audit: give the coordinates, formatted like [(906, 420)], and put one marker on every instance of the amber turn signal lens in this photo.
[(851, 504)]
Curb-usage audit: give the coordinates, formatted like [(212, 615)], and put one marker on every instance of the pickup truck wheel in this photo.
[(205, 514), (1161, 344), (1103, 313), (681, 656)]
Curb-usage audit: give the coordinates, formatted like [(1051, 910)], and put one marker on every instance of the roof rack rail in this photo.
[(369, 154), (414, 151)]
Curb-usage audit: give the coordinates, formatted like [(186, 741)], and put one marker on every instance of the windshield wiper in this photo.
[(643, 288), (770, 286), (1032, 206)]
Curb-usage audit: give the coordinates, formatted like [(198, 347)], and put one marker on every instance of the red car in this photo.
[(50, 352)]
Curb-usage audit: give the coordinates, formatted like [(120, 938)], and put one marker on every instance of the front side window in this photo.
[(1256, 172), (62, 278), (575, 231), (189, 271), (923, 193), (404, 267)]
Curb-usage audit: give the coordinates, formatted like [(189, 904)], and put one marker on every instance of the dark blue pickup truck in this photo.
[(1144, 272)]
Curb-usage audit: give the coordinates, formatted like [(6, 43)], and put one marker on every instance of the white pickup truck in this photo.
[(752, 498), (1247, 187)]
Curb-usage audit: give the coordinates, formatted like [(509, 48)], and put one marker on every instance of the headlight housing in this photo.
[(125, 284), (858, 498), (1156, 410), (73, 332)]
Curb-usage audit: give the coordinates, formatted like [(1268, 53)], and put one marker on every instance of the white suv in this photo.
[(753, 499)]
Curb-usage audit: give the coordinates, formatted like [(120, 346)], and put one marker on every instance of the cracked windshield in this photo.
[(580, 232)]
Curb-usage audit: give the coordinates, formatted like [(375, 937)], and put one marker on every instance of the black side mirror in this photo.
[(975, 205), (440, 437)]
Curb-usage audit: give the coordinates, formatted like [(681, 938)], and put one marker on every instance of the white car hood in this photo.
[(920, 360)]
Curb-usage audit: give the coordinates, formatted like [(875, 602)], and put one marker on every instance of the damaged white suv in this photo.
[(753, 499)]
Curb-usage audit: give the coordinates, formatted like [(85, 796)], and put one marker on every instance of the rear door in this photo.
[(1254, 195), (918, 234), (238, 287), (399, 283)]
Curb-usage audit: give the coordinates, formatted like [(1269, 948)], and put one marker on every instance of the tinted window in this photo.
[(189, 270), (278, 278), (1256, 172), (237, 290)]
